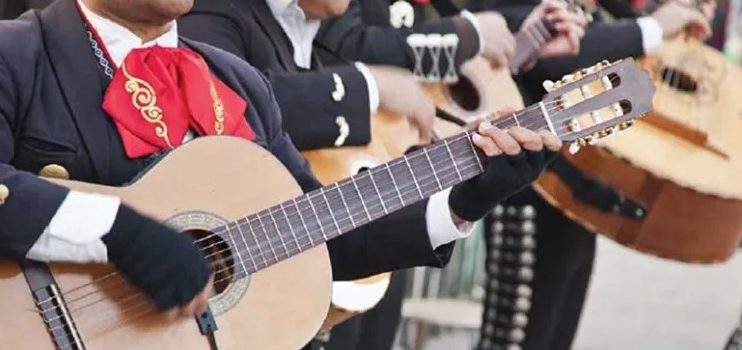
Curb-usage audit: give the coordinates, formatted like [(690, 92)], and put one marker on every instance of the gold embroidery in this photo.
[(144, 100), (218, 111)]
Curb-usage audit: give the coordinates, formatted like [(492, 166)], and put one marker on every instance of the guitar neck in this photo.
[(284, 230), (529, 41)]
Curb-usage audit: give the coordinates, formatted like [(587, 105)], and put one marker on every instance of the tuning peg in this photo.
[(549, 85), (573, 148), (568, 78), (625, 125), (605, 132)]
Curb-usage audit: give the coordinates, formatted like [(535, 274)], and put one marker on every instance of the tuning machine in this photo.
[(625, 125)]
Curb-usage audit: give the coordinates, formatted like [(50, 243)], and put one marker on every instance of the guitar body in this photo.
[(197, 186), (681, 161), (481, 90)]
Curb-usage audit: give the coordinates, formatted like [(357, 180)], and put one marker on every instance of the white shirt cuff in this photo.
[(74, 233), (440, 225), (373, 88), (651, 33), (474, 22)]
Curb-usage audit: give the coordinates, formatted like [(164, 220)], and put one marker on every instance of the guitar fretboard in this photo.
[(284, 230)]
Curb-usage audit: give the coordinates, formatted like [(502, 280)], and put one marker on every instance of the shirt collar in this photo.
[(281, 8), (119, 41)]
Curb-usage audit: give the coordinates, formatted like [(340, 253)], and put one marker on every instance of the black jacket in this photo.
[(247, 29), (364, 33), (51, 91)]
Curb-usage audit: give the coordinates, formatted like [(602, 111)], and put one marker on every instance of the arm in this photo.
[(353, 37), (31, 202)]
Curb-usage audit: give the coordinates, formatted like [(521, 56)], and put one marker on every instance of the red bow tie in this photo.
[(158, 94)]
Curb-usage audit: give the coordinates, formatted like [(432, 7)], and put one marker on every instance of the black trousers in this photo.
[(556, 283), (376, 328)]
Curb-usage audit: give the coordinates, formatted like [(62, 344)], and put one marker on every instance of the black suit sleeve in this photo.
[(354, 37), (397, 241), (310, 113), (32, 202)]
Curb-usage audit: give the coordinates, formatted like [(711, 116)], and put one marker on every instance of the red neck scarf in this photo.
[(158, 94)]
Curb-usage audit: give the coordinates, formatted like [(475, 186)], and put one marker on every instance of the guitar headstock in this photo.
[(598, 101)]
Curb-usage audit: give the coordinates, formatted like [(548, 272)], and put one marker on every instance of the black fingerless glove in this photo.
[(165, 264), (503, 176)]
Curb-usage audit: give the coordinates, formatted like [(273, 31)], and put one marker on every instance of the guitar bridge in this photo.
[(52, 307)]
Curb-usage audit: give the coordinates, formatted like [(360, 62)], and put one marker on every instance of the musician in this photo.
[(377, 32), (565, 250), (65, 112)]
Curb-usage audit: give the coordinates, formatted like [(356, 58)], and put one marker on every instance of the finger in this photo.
[(502, 139), (486, 144), (505, 110), (550, 141), (527, 139)]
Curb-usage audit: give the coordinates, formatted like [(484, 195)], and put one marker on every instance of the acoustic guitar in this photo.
[(273, 280), (682, 162)]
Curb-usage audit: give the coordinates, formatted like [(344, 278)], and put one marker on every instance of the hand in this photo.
[(675, 18), (499, 43), (515, 159), (401, 94), (164, 264), (569, 27)]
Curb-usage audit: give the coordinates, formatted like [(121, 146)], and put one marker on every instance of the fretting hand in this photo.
[(515, 158), (569, 27), (401, 94), (499, 43), (166, 265)]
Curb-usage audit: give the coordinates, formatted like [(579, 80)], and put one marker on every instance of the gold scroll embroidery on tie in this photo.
[(218, 110), (144, 100)]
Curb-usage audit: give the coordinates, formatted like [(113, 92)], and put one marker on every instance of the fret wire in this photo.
[(257, 242), (432, 168), (316, 216), (471, 144), (303, 222), (291, 227), (455, 166), (345, 204), (399, 194), (234, 244), (247, 247), (413, 175), (278, 231), (381, 200), (265, 232), (329, 208), (360, 196)]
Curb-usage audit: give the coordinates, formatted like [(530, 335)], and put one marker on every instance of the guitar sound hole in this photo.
[(678, 80), (465, 94), (220, 257)]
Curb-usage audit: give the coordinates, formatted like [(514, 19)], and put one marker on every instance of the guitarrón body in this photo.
[(273, 273)]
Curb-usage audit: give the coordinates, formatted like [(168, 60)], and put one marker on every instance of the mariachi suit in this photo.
[(564, 250), (364, 33), (51, 90), (248, 29)]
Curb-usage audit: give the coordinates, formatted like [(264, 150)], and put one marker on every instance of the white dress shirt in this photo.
[(74, 232), (651, 33)]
